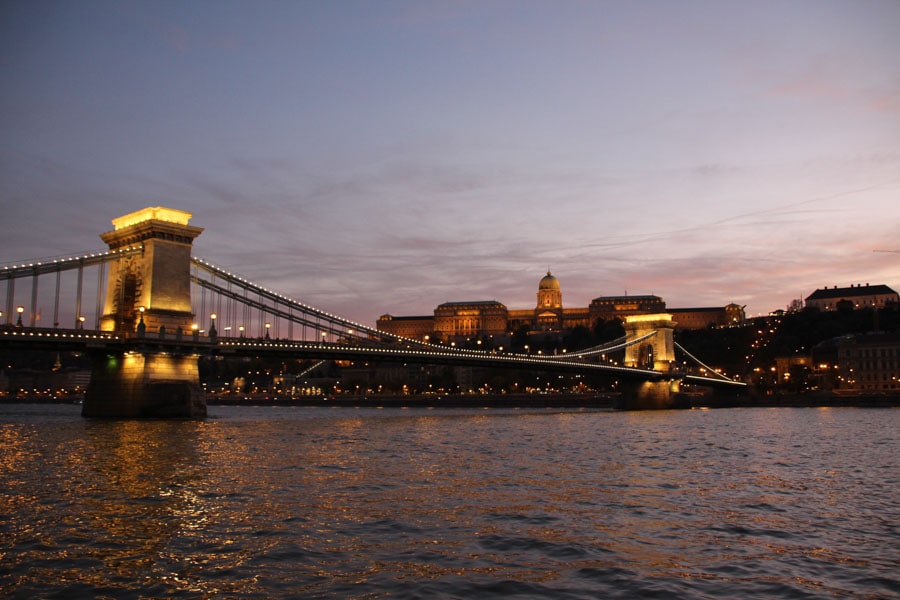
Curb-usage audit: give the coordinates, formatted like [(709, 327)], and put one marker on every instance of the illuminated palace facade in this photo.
[(456, 321)]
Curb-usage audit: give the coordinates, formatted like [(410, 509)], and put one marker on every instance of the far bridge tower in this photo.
[(657, 353)]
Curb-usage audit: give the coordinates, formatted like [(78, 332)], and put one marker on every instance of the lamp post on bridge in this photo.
[(213, 334), (19, 309)]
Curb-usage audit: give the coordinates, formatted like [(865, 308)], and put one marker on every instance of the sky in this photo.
[(372, 157)]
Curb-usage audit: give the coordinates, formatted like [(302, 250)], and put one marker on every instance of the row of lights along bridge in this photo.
[(195, 329)]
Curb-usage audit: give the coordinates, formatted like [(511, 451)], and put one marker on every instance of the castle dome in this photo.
[(548, 282)]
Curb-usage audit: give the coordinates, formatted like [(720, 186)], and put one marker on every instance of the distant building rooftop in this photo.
[(473, 303), (408, 318), (626, 298), (853, 290)]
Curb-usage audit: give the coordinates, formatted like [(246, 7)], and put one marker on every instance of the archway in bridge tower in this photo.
[(126, 316), (646, 359), (122, 296)]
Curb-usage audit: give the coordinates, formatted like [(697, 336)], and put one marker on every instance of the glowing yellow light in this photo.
[(645, 318), (153, 213)]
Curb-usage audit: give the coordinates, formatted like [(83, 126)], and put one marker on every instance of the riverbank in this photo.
[(558, 400), (824, 401), (431, 401)]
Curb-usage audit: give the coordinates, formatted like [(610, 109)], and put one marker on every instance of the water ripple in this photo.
[(269, 503)]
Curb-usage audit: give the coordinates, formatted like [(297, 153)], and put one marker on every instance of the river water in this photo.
[(263, 502)]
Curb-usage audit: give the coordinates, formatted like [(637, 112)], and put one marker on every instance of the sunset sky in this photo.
[(371, 157)]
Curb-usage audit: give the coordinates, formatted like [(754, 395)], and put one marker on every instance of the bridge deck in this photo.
[(73, 339)]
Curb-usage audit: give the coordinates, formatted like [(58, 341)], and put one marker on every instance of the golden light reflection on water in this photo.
[(358, 503)]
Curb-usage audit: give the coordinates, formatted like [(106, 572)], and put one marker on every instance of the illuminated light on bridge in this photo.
[(38, 333), (152, 213)]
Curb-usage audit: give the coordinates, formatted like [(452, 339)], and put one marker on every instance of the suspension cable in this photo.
[(699, 362), (617, 344), (317, 319)]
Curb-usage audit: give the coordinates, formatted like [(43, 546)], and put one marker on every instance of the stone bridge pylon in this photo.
[(148, 292), (657, 353)]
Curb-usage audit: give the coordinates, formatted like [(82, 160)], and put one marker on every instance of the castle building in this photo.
[(619, 307), (415, 328), (855, 296), (548, 315), (456, 321), (469, 319), (701, 318)]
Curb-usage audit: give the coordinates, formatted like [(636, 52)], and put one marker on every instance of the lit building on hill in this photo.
[(456, 321), (469, 319), (702, 318), (619, 307), (415, 328), (548, 315), (853, 297)]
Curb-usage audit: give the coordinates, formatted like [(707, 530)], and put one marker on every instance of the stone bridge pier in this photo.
[(657, 353), (148, 293)]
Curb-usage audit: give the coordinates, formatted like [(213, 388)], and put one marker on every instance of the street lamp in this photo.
[(212, 325), (241, 330), (19, 309), (268, 325), (80, 323)]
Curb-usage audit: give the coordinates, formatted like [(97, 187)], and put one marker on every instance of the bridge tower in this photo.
[(148, 293), (656, 353), (158, 279)]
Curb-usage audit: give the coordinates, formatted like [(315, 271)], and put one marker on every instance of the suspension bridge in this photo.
[(157, 310)]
